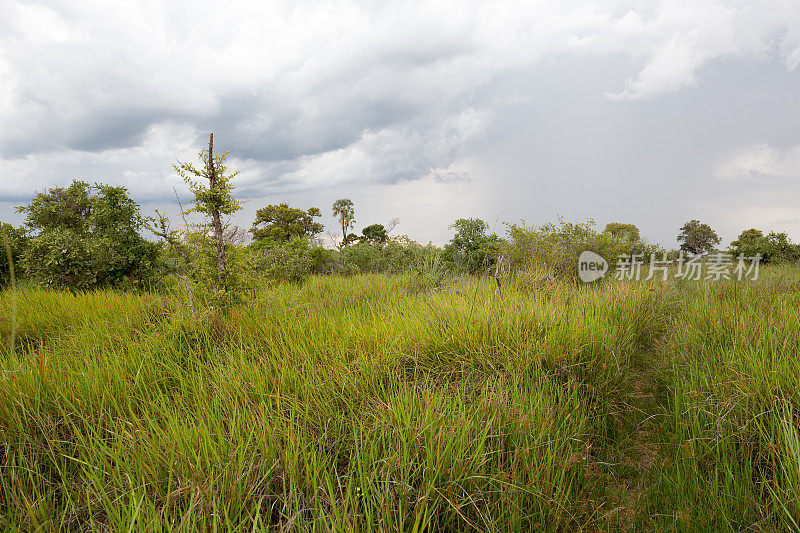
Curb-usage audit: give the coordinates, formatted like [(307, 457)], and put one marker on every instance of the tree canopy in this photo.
[(623, 231), (85, 236), (471, 246), (697, 238), (773, 248), (374, 234)]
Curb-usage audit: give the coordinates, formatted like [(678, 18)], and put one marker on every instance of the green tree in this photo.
[(374, 234), (697, 238), (351, 238), (472, 248), (214, 200), (344, 211), (86, 236), (623, 231), (773, 248), (749, 242), (282, 223)]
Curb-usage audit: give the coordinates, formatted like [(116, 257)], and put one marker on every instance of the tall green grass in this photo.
[(735, 407), (383, 403), (361, 403)]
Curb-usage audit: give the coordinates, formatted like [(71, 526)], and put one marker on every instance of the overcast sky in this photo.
[(646, 112)]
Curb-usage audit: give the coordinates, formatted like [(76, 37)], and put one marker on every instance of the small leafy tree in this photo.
[(472, 248), (623, 231), (86, 236), (351, 238), (374, 234), (697, 238), (214, 200), (282, 223), (344, 211), (773, 248)]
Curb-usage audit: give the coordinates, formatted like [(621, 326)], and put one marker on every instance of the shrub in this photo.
[(472, 249), (555, 248), (627, 231), (291, 261), (773, 248), (361, 258), (87, 236), (398, 255), (405, 255)]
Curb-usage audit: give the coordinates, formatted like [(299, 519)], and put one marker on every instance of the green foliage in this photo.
[(291, 261), (404, 255), (87, 236), (623, 231), (295, 260), (361, 258), (697, 238), (374, 234), (201, 268), (351, 238), (214, 200), (773, 248), (17, 239), (554, 249), (398, 255), (323, 260), (472, 249), (211, 198), (344, 211), (283, 223), (60, 257)]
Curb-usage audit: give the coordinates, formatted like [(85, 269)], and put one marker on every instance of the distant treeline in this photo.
[(85, 236)]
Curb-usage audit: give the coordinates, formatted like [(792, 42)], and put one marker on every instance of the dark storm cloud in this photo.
[(272, 129)]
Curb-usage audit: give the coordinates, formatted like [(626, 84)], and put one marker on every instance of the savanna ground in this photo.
[(385, 403)]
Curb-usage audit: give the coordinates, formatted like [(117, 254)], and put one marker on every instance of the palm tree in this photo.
[(344, 210)]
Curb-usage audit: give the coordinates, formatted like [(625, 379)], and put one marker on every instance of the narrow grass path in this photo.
[(640, 447)]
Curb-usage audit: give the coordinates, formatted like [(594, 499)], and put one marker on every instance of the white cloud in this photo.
[(144, 168), (761, 162)]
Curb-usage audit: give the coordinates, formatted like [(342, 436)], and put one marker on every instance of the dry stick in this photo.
[(13, 337), (191, 297), (498, 291)]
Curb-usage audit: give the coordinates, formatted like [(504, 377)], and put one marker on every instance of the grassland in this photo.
[(382, 403)]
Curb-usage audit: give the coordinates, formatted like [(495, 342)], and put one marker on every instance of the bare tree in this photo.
[(393, 223)]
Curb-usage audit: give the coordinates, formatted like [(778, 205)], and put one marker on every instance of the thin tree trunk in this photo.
[(216, 218), (189, 292)]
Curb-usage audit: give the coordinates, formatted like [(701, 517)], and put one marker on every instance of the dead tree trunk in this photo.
[(215, 215)]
